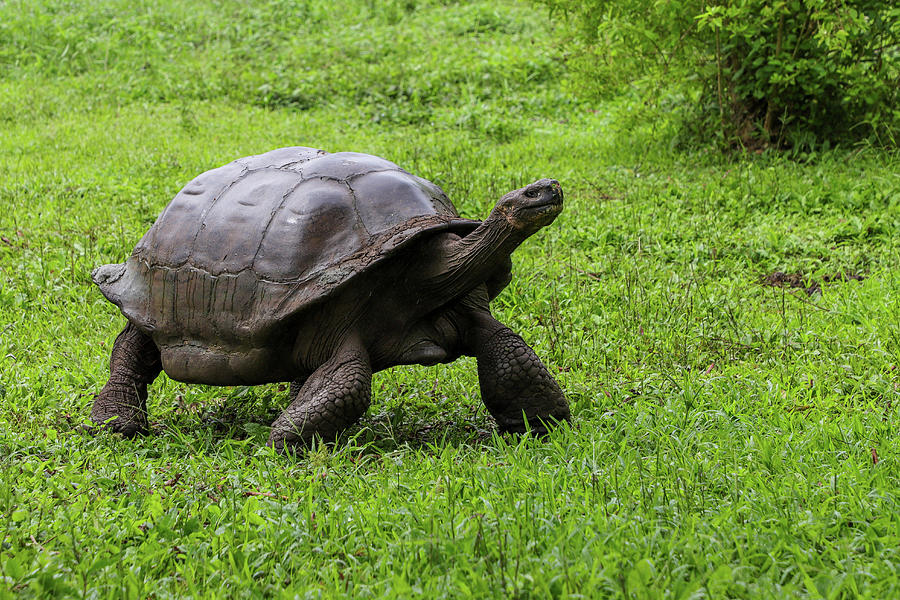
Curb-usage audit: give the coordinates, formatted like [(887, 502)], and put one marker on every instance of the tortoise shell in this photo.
[(245, 246)]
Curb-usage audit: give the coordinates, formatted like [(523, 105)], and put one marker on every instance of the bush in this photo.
[(790, 73)]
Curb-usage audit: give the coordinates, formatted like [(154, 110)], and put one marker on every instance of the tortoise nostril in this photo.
[(557, 190)]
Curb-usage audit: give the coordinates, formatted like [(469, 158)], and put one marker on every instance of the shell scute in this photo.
[(387, 198), (315, 227), (233, 228), (171, 238)]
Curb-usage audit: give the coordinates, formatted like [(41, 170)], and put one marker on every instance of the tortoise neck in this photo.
[(489, 245), (470, 261)]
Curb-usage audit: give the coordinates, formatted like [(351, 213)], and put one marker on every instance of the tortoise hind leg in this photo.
[(334, 397), (121, 405)]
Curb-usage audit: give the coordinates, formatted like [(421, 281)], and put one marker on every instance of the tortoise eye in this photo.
[(532, 193)]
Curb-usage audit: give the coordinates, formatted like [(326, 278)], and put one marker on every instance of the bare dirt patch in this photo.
[(807, 284)]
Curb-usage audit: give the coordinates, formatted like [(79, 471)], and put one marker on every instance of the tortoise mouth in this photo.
[(543, 207), (555, 202)]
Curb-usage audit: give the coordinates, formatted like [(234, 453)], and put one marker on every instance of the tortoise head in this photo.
[(529, 208)]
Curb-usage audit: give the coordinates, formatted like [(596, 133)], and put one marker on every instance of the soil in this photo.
[(807, 284)]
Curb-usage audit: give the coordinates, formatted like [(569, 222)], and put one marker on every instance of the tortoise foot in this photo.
[(121, 406), (516, 387), (334, 397), (121, 409)]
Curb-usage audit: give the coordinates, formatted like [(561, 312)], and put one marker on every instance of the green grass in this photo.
[(730, 440)]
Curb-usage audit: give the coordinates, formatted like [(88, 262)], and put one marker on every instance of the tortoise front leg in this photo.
[(121, 405), (334, 397), (516, 387)]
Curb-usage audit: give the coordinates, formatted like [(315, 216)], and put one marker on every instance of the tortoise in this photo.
[(319, 269)]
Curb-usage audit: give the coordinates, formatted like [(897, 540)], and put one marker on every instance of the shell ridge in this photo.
[(355, 175), (290, 166), (359, 219), (202, 218)]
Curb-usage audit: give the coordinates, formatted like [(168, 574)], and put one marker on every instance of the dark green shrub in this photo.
[(788, 73)]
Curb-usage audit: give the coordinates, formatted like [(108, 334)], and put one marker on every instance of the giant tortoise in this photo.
[(319, 269)]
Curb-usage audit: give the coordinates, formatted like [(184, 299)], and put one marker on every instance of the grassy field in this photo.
[(727, 330)]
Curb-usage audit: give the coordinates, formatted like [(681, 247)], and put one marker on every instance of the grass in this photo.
[(731, 438)]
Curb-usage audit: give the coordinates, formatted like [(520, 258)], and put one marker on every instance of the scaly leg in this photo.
[(515, 385), (296, 386), (334, 397), (121, 405)]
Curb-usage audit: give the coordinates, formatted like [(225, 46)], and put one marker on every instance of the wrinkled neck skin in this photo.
[(469, 261)]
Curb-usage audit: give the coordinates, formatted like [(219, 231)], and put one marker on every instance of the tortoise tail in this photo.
[(106, 276)]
